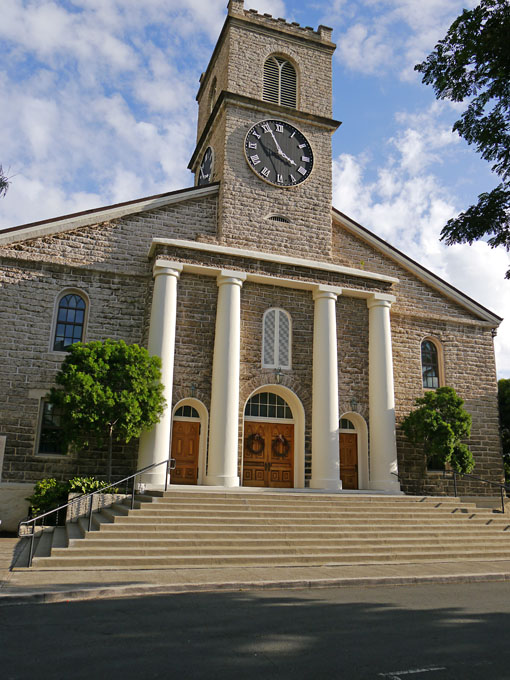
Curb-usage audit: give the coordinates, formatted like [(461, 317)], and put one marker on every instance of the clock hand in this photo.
[(280, 151)]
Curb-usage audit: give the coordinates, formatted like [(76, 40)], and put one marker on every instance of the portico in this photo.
[(223, 446)]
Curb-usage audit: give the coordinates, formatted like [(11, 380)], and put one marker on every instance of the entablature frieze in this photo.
[(264, 279), (209, 259)]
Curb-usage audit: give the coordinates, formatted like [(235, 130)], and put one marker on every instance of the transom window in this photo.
[(276, 339), (50, 431), (268, 405), (429, 365), (186, 411), (280, 82), (70, 322), (345, 424)]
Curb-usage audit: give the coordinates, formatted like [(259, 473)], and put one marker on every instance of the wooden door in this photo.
[(268, 456), (349, 460), (185, 440), (280, 455)]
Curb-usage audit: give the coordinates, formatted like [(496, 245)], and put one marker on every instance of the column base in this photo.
[(386, 485), (328, 484), (222, 480)]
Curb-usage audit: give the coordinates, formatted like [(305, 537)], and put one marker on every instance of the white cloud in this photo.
[(407, 206), (374, 37)]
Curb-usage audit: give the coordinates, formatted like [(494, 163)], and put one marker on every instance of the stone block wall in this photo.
[(246, 200), (468, 359), (238, 62)]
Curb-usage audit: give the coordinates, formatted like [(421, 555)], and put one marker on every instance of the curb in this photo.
[(175, 589)]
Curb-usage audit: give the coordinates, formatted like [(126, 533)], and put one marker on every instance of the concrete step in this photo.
[(43, 543), (129, 532), (302, 522), (182, 529), (187, 561), (133, 546)]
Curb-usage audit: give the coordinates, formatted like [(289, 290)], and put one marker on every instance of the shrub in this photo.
[(439, 424), (50, 494)]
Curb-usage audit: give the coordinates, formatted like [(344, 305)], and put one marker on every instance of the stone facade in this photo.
[(221, 234)]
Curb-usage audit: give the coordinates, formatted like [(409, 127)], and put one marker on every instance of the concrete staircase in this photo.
[(208, 528)]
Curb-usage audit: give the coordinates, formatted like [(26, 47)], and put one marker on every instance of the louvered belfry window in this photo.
[(280, 82), (276, 342)]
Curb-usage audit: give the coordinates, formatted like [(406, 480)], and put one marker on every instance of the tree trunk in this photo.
[(110, 449)]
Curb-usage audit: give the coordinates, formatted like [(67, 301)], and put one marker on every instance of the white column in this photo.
[(224, 420), (383, 445), (155, 444), (325, 451)]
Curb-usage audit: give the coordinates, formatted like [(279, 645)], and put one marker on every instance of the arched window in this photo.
[(267, 405), (280, 82), (430, 364), (70, 321), (276, 339), (186, 411)]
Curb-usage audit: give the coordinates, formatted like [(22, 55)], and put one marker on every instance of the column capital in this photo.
[(327, 292), (168, 268), (234, 278), (380, 300)]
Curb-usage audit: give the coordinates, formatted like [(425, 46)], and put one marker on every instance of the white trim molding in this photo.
[(268, 257), (99, 215)]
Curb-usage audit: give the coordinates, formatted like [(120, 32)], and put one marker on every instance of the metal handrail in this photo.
[(170, 465), (502, 487)]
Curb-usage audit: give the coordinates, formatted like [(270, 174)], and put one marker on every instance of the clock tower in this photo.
[(264, 133)]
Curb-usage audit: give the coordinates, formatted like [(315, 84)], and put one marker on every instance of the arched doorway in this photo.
[(273, 454), (353, 442), (189, 426)]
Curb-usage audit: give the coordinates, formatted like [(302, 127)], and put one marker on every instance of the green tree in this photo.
[(439, 423), (109, 391), (504, 421), (4, 182), (472, 64)]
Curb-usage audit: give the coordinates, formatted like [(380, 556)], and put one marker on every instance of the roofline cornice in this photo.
[(267, 108), (103, 214)]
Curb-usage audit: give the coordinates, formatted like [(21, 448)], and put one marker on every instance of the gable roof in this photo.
[(102, 214), (416, 269), (115, 211)]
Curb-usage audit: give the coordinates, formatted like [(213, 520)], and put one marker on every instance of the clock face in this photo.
[(206, 167), (278, 153)]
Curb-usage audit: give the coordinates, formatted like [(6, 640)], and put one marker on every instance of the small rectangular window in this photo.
[(50, 440)]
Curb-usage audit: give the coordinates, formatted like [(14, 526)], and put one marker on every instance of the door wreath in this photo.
[(255, 443), (280, 446)]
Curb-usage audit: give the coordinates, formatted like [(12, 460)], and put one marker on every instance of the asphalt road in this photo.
[(436, 632)]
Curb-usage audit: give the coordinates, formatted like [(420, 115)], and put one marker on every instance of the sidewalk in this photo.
[(30, 586)]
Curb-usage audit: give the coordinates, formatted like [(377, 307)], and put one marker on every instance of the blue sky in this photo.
[(99, 107)]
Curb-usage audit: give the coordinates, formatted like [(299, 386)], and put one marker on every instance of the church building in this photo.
[(293, 340)]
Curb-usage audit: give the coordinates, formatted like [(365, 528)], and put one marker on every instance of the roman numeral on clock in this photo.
[(278, 127), (265, 172), (255, 159)]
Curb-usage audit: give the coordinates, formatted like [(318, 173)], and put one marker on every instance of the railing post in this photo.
[(31, 551), (133, 493), (455, 483), (90, 512), (167, 473), (501, 489)]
